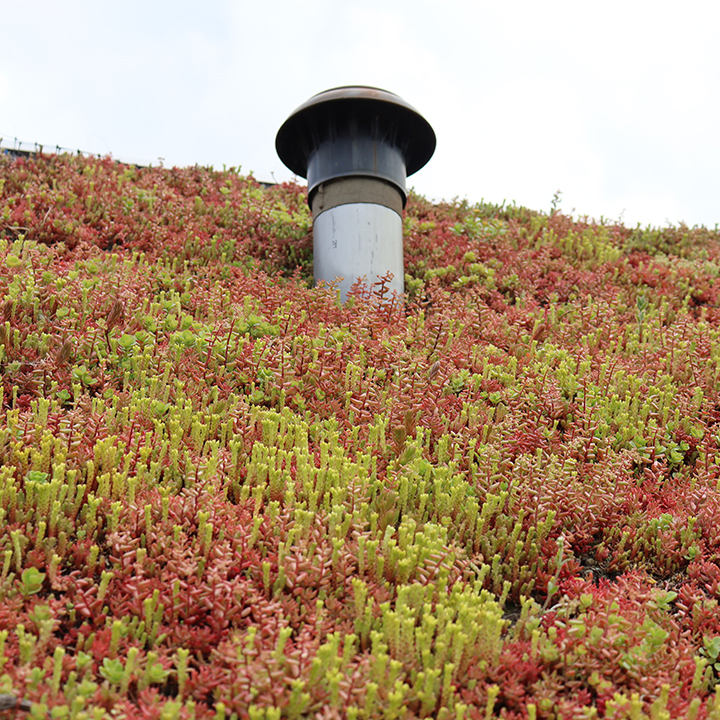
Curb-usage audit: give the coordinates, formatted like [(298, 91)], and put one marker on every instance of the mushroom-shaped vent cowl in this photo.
[(355, 130)]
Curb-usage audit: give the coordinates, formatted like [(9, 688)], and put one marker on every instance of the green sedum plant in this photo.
[(223, 494)]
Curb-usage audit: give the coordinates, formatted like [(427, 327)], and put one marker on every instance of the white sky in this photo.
[(615, 103)]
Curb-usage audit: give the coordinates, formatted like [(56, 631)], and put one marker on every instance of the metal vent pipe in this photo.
[(356, 145)]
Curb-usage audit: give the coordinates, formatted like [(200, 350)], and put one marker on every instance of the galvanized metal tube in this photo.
[(356, 145), (357, 231)]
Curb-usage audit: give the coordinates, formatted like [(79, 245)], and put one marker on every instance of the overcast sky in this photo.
[(616, 104)]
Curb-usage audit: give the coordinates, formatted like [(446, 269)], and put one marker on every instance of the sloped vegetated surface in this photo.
[(224, 494)]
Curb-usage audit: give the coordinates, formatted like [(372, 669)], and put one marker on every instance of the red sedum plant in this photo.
[(225, 494)]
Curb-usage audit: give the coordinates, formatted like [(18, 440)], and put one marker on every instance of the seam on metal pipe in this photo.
[(344, 191)]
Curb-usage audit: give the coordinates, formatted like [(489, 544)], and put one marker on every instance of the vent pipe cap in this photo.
[(355, 131)]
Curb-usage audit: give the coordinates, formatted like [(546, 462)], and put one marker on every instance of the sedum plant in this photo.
[(224, 494)]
